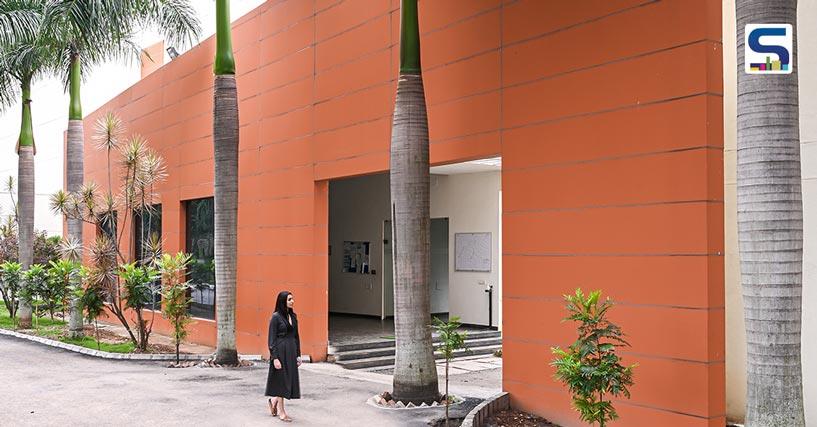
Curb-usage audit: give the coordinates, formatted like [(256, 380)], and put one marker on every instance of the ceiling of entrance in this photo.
[(474, 166)]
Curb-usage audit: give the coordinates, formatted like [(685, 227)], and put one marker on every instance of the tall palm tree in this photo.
[(21, 62), (93, 31), (225, 155), (770, 227), (415, 373)]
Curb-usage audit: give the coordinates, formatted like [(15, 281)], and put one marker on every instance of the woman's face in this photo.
[(290, 301)]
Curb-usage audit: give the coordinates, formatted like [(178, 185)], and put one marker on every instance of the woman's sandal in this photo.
[(285, 419), (272, 408)]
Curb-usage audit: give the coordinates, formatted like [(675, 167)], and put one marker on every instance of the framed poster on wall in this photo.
[(472, 252), (356, 257)]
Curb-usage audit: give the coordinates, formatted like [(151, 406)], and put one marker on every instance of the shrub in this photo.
[(136, 281), (175, 294), (590, 367), (10, 282), (61, 275), (451, 340), (34, 289)]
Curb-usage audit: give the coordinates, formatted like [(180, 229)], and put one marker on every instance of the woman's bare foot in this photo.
[(273, 407)]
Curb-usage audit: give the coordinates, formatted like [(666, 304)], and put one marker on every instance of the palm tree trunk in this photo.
[(226, 213), (225, 154), (415, 373), (74, 153), (25, 194), (770, 227)]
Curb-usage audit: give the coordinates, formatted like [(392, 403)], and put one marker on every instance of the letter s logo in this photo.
[(773, 53)]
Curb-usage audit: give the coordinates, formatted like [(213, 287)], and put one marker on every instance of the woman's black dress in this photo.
[(284, 345)]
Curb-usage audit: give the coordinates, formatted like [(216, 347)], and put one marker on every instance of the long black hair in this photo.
[(281, 305)]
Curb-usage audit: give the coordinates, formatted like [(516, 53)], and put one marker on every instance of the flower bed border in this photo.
[(117, 356), (489, 407)]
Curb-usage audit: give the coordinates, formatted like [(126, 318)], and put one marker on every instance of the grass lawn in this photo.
[(55, 329), (88, 342)]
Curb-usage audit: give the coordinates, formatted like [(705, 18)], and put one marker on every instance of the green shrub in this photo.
[(590, 367), (10, 282), (175, 294), (136, 280)]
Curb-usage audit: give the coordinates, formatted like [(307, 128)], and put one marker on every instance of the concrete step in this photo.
[(389, 351), (383, 361), (340, 348)]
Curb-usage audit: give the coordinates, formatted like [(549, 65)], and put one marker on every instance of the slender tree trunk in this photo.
[(75, 169), (415, 373), (770, 227), (225, 153), (226, 213), (25, 194)]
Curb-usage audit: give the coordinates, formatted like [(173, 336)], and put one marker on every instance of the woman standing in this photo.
[(285, 352)]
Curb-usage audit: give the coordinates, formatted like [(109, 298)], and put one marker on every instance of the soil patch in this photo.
[(514, 418)]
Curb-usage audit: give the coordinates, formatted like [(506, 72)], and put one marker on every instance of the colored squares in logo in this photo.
[(768, 48)]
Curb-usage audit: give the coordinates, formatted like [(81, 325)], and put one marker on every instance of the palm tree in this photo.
[(90, 32), (19, 19), (770, 227), (21, 62), (415, 373), (225, 154)]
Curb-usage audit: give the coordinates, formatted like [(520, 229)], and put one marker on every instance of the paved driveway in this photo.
[(45, 386)]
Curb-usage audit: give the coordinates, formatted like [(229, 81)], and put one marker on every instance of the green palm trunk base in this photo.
[(74, 82), (25, 192)]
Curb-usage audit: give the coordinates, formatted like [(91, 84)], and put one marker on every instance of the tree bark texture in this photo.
[(25, 219), (770, 227), (74, 176), (225, 150), (415, 372)]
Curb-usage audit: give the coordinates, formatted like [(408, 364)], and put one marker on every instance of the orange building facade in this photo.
[(607, 115)]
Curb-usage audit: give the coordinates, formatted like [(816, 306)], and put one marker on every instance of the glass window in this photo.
[(199, 242), (147, 232), (107, 225)]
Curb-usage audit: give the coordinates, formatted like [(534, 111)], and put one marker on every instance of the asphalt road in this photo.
[(44, 386)]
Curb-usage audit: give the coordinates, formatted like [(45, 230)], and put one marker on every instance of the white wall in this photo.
[(806, 58), (50, 116), (471, 203), (357, 209), (807, 71)]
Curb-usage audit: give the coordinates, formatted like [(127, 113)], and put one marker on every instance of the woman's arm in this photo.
[(272, 340)]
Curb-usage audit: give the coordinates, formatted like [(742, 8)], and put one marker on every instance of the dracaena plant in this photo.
[(133, 172), (590, 367)]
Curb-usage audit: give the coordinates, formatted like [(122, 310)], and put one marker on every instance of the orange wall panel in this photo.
[(607, 115)]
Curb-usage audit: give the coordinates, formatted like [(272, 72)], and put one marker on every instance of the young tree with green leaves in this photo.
[(10, 283), (225, 193), (175, 294), (590, 367), (138, 294), (415, 372), (451, 340), (34, 290)]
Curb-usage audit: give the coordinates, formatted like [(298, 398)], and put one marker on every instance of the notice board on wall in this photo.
[(472, 251)]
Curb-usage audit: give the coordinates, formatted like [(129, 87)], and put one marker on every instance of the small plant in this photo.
[(57, 290), (10, 282), (136, 281), (175, 294), (34, 289), (91, 300), (451, 340), (590, 367)]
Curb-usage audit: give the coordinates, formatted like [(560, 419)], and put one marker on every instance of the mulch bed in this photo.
[(514, 418)]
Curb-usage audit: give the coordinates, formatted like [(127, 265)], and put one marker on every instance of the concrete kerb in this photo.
[(118, 356), (491, 405)]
